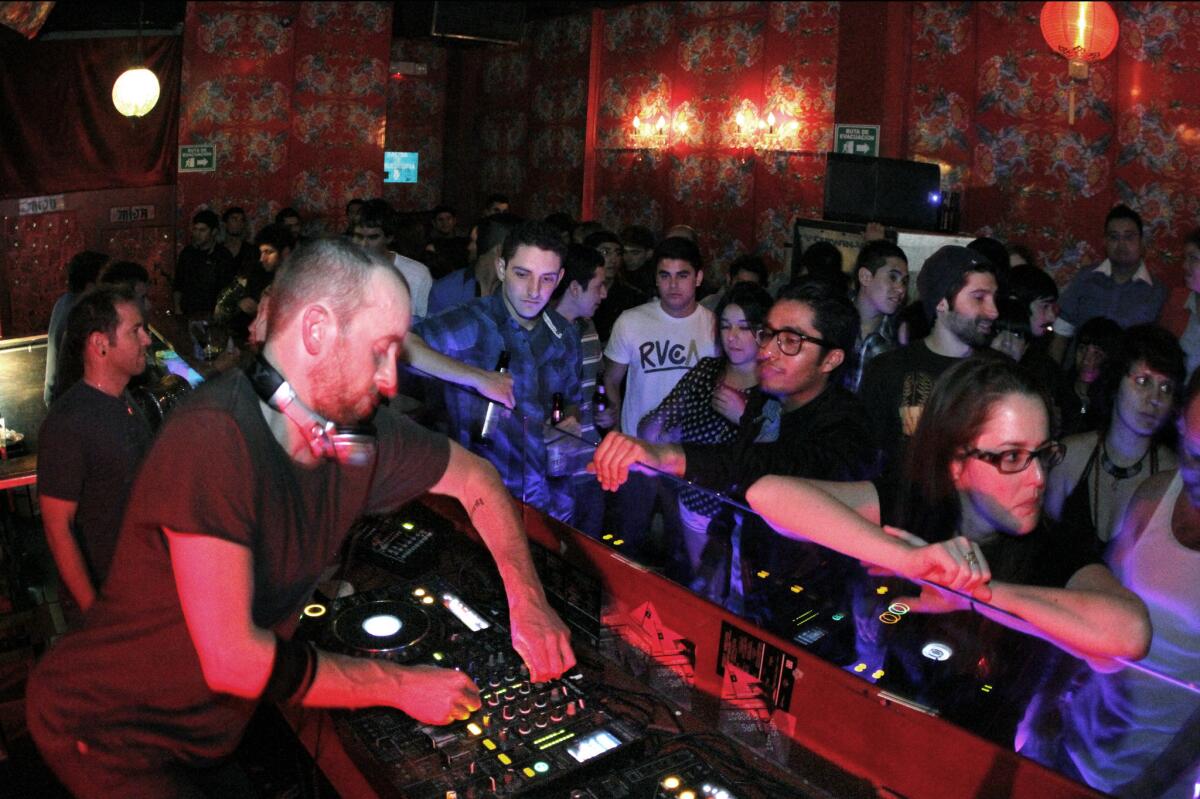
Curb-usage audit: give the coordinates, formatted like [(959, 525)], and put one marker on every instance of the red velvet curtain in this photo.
[(61, 132)]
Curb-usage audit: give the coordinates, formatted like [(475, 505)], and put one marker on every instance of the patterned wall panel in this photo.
[(36, 250), (293, 97), (703, 62), (988, 101), (416, 121)]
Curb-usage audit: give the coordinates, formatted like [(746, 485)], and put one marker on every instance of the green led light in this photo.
[(548, 736), (563, 738)]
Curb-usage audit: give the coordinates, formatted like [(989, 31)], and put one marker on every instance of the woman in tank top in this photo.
[(1138, 387)]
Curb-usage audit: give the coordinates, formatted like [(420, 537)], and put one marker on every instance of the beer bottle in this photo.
[(491, 417)]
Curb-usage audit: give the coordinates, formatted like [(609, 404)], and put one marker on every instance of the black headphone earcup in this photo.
[(349, 445)]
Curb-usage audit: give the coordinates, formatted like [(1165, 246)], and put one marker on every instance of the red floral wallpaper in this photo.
[(416, 121), (293, 96), (988, 100), (703, 62), (529, 125)]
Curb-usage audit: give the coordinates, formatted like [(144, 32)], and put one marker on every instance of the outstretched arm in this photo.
[(214, 578), (844, 517), (1094, 617), (539, 636), (618, 453), (493, 385)]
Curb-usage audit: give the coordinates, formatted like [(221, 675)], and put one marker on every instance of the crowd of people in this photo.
[(1029, 449)]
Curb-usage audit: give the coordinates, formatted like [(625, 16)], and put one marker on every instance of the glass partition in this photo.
[(1129, 732)]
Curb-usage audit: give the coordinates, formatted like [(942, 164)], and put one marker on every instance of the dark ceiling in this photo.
[(409, 19)]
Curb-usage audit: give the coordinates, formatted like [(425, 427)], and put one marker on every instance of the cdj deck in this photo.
[(524, 739)]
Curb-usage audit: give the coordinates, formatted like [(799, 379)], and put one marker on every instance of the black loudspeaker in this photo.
[(859, 188), (350, 445), (502, 23)]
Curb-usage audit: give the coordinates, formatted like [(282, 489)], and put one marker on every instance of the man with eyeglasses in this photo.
[(1120, 288), (957, 287), (822, 432)]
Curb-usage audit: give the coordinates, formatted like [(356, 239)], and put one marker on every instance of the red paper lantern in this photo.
[(1080, 31)]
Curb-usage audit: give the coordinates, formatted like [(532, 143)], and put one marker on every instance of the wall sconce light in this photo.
[(659, 134), (770, 134)]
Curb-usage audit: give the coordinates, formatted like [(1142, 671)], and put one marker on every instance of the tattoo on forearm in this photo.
[(479, 503)]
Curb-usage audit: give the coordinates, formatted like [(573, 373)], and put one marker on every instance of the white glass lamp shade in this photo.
[(135, 92)]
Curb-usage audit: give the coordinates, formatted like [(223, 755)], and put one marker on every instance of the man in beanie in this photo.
[(957, 288)]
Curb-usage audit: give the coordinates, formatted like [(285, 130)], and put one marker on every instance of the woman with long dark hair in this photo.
[(1135, 398), (970, 505), (706, 406)]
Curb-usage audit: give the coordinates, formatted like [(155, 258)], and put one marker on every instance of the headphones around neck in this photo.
[(352, 445)]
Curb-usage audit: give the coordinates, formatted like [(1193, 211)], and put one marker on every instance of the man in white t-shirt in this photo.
[(374, 231), (651, 347)]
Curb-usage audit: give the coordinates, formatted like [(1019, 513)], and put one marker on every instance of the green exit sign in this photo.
[(197, 158), (856, 139)]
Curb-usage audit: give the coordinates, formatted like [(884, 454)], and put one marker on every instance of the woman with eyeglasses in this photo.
[(967, 514), (1136, 395)]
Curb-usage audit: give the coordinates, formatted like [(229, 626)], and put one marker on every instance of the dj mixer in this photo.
[(525, 739)]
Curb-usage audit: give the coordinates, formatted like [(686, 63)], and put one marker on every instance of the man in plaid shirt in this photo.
[(544, 359)]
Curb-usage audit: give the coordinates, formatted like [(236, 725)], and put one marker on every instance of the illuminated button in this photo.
[(936, 650), (875, 675), (474, 729), (541, 767), (418, 592), (687, 795), (505, 759), (763, 573), (860, 668), (889, 618), (314, 611), (528, 772), (797, 589), (489, 744), (671, 783), (881, 590), (438, 656), (606, 537), (618, 542), (427, 600), (838, 616), (407, 525), (899, 608), (987, 689)]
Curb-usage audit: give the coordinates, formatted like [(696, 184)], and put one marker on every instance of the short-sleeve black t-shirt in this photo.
[(1048, 556), (89, 448), (130, 677)]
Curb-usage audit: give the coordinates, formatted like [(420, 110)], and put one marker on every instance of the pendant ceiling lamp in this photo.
[(136, 91), (1081, 33)]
